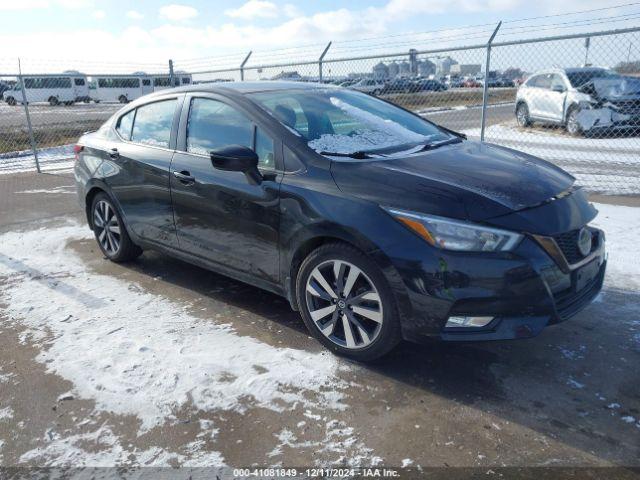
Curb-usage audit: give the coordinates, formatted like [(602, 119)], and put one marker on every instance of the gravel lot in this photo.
[(162, 363)]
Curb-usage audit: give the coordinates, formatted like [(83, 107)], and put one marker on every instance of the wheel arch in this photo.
[(571, 107), (88, 201), (314, 237)]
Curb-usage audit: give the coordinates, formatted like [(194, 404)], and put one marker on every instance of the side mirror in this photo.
[(558, 88), (236, 158)]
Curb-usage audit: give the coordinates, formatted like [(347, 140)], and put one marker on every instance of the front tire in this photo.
[(110, 231), (123, 99), (522, 115), (11, 101), (53, 101), (346, 303), (572, 125)]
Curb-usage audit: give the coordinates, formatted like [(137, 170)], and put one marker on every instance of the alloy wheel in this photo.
[(107, 227), (522, 116), (344, 304)]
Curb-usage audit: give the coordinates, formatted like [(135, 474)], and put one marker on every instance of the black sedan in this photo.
[(374, 223)]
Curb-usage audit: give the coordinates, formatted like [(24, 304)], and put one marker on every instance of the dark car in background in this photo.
[(376, 224), (428, 85)]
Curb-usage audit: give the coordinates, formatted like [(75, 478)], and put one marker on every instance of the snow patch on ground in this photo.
[(102, 448), (135, 353), (6, 413), (53, 191), (51, 159), (622, 228), (506, 133)]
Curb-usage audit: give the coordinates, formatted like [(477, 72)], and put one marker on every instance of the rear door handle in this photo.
[(113, 153), (184, 177)]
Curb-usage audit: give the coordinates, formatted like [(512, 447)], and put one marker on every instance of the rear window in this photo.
[(153, 123), (124, 125)]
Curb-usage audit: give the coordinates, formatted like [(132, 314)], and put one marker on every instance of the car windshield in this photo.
[(579, 78), (341, 121)]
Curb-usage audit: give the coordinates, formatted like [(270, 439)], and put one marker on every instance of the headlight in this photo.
[(457, 235)]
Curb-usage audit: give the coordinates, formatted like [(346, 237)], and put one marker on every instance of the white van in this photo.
[(160, 82), (123, 89), (54, 89)]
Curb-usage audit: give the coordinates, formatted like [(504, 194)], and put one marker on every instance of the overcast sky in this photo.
[(126, 30)]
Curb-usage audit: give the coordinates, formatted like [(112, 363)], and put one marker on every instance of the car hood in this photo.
[(468, 180), (612, 89)]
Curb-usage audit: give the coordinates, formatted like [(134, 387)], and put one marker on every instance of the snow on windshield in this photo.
[(379, 133)]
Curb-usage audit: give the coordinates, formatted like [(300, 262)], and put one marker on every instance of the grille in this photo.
[(628, 107), (568, 243)]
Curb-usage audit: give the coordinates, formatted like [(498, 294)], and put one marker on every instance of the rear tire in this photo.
[(522, 115), (346, 303), (123, 99), (53, 101), (11, 101), (111, 232)]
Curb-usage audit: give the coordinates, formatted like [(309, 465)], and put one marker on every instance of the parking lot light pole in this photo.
[(485, 89), (171, 73), (324, 52), (244, 62), (32, 139)]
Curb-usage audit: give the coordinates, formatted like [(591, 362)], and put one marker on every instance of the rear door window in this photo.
[(124, 125), (153, 122)]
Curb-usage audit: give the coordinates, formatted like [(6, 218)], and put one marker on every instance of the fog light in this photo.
[(457, 322)]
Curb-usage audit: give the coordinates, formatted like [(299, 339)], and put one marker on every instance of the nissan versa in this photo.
[(373, 222)]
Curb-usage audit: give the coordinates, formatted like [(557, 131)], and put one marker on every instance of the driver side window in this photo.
[(213, 124)]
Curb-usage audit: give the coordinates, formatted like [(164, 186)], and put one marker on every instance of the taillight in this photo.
[(76, 151)]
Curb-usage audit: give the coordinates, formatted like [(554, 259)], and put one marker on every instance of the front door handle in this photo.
[(113, 153), (184, 177)]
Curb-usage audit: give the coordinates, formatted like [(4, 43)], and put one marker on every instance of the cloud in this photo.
[(178, 13), (38, 4), (99, 14), (254, 9), (134, 15), (291, 10)]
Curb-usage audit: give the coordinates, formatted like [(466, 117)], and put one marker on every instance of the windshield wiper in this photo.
[(358, 155), (433, 146)]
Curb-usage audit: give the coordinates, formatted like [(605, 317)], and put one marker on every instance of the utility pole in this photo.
[(587, 43)]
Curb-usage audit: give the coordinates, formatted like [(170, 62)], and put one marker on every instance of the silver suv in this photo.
[(584, 100)]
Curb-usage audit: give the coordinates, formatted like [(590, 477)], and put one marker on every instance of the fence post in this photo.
[(32, 139), (324, 52), (485, 89), (246, 59), (171, 73)]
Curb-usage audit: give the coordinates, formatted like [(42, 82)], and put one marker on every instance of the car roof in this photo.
[(249, 87), (569, 70)]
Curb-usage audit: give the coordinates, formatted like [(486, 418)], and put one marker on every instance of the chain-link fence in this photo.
[(573, 100)]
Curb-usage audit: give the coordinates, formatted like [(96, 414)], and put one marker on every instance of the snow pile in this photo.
[(136, 353)]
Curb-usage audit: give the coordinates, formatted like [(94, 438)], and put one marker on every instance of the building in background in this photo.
[(443, 65), (380, 71), (465, 70)]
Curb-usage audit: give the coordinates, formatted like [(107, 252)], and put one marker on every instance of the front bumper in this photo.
[(524, 291)]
